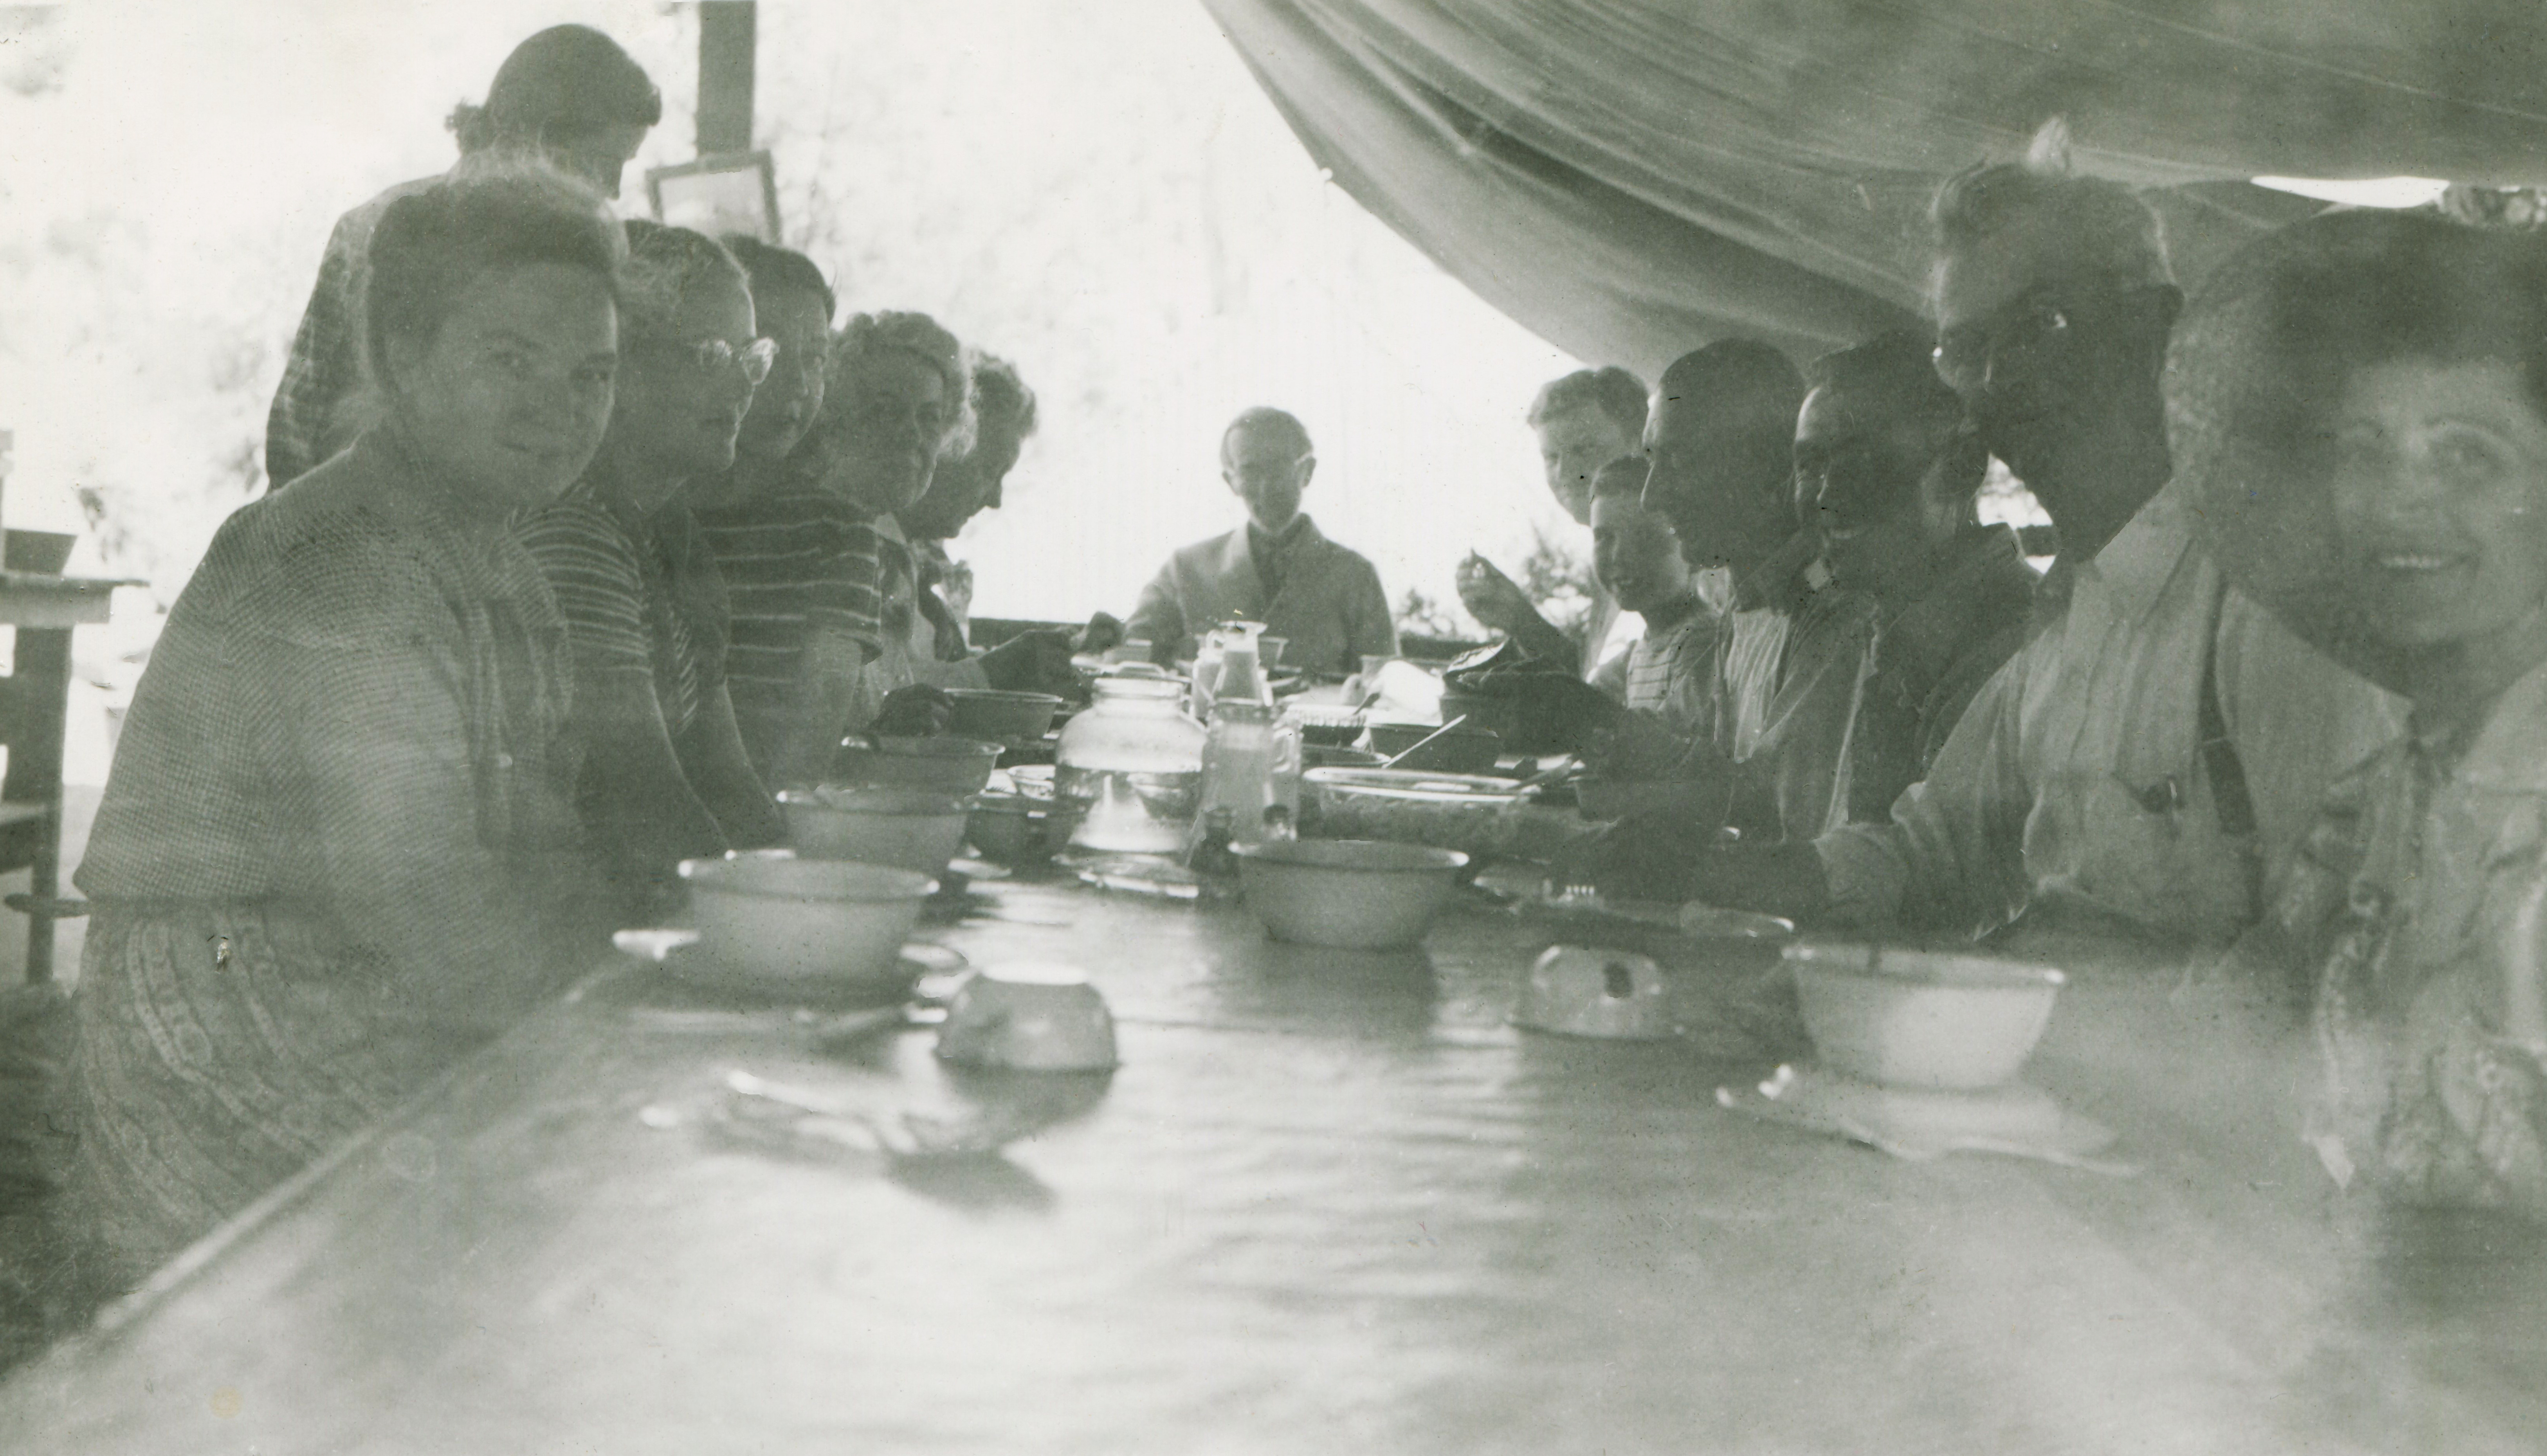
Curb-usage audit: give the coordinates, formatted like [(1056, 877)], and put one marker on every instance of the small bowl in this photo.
[(1028, 1018), (987, 712), (769, 918), (1588, 990), (1921, 1018), (1010, 829), (880, 825), (951, 765), (1461, 751), (1347, 893)]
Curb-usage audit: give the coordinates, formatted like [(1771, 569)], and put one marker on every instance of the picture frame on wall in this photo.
[(733, 192)]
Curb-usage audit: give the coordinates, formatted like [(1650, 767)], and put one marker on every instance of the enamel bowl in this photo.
[(950, 765), (769, 919), (1347, 893), (1921, 1018), (880, 824), (989, 712)]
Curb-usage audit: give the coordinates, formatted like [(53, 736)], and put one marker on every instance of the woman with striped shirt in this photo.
[(664, 774)]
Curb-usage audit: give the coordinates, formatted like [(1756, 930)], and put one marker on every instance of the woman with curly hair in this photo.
[(664, 774), (2363, 399), (822, 580)]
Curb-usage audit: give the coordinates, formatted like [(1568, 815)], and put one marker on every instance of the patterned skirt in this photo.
[(221, 1049)]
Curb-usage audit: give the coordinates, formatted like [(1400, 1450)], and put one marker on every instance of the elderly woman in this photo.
[(664, 774), (2378, 468), (319, 868), (822, 580), (962, 489)]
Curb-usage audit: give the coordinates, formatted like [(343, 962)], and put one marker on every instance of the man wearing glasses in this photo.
[(2145, 762), (1323, 599)]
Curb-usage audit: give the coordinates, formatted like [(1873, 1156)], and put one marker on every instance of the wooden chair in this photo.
[(42, 606)]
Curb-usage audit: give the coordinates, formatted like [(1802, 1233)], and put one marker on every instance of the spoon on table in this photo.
[(1426, 739)]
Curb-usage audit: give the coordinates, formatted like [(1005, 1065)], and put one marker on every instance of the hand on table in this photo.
[(1033, 662), (915, 711)]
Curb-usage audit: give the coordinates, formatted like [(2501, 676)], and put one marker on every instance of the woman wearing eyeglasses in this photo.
[(664, 776)]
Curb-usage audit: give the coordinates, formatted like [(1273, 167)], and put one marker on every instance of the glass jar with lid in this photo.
[(1131, 767)]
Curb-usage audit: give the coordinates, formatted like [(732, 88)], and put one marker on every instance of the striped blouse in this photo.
[(640, 595), (795, 558)]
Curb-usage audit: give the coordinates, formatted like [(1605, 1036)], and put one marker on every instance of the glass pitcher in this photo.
[(1131, 767), (1240, 677)]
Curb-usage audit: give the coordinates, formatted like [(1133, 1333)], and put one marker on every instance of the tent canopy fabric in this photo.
[(1633, 178)]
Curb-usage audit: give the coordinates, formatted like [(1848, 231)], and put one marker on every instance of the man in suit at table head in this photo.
[(1321, 598)]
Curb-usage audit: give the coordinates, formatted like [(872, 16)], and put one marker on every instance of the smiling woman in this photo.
[(325, 864), (664, 777), (2395, 428)]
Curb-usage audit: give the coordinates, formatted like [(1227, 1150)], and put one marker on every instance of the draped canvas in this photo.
[(1630, 178)]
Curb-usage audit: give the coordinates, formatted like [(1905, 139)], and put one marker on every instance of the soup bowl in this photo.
[(769, 918), (989, 712), (1347, 893), (1588, 990), (950, 765), (1028, 1017), (1921, 1018), (880, 824)]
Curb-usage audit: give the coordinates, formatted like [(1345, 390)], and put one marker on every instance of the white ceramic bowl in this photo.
[(879, 824), (1347, 893), (950, 765), (1028, 1018), (1582, 991), (992, 714), (1921, 1018), (771, 919)]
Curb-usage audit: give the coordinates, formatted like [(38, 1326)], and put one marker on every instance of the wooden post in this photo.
[(727, 34)]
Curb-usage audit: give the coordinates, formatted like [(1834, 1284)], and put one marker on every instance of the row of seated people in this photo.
[(2336, 780), (585, 537), (399, 754)]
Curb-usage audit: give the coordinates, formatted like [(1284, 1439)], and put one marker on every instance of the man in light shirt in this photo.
[(1583, 422), (1322, 598), (2143, 763), (1719, 443)]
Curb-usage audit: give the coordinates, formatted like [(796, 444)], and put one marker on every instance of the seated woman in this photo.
[(664, 776), (963, 488), (822, 584), (792, 304), (319, 869), (2393, 410)]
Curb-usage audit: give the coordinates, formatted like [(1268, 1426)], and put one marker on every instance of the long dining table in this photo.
[(1330, 1201)]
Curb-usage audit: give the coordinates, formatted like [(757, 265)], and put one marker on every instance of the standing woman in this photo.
[(2365, 399), (319, 870), (567, 96), (664, 777)]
